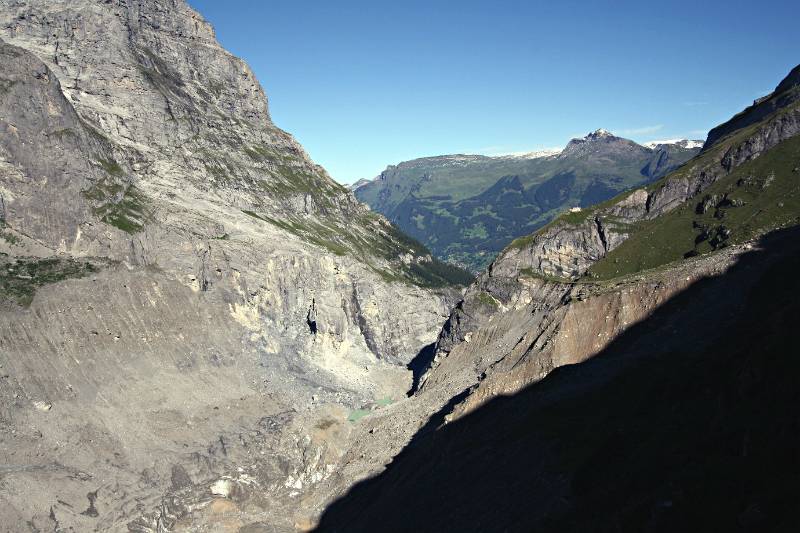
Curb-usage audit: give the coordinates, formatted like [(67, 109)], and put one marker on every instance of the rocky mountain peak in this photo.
[(791, 81), (599, 134), (600, 141)]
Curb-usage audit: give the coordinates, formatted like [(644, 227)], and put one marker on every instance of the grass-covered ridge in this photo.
[(286, 190), (707, 160), (757, 197)]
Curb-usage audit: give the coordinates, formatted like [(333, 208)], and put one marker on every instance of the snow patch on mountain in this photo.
[(536, 154), (683, 143)]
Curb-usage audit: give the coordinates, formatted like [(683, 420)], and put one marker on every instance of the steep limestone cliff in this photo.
[(188, 301)]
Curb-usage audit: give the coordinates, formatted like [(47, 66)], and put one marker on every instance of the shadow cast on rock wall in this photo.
[(687, 422)]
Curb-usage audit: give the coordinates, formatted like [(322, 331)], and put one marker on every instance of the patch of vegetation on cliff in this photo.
[(522, 242), (220, 167), (9, 237), (163, 77), (336, 224), (127, 215), (62, 133), (111, 167), (438, 274), (255, 215), (260, 153), (487, 300), (121, 207), (103, 191), (6, 235), (385, 243), (309, 231), (428, 271), (757, 197), (20, 278)]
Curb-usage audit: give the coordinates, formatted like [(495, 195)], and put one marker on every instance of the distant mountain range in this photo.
[(466, 208)]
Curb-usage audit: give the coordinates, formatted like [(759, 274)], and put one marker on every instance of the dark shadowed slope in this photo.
[(689, 421)]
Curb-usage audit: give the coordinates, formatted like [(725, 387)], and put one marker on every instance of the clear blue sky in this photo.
[(363, 84)]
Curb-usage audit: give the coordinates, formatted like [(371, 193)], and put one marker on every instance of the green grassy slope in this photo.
[(759, 196)]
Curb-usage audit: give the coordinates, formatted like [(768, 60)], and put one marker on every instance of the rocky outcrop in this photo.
[(40, 133), (161, 153), (560, 251)]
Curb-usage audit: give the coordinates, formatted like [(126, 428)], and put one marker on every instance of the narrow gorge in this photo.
[(200, 330)]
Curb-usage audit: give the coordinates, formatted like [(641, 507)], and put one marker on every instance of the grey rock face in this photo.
[(138, 98), (39, 137), (128, 136)]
